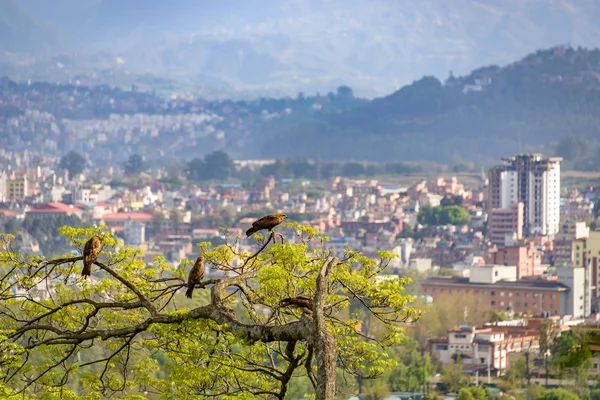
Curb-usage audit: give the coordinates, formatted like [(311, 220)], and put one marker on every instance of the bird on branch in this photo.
[(196, 276), (268, 222), (91, 252), (297, 302)]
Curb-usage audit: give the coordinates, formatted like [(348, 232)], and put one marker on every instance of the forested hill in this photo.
[(494, 111)]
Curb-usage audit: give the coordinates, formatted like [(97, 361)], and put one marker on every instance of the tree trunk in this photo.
[(324, 342), (527, 369), (546, 362)]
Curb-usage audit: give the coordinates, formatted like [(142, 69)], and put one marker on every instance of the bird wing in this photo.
[(268, 222), (262, 221)]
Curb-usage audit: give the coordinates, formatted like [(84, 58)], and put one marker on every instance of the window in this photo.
[(493, 302), (518, 294), (526, 304), (509, 294), (501, 294), (492, 293), (518, 304), (552, 295), (501, 303)]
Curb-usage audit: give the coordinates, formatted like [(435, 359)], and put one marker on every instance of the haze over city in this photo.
[(298, 199)]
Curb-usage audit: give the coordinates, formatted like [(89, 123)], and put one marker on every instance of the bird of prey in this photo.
[(268, 222), (297, 302), (196, 276), (91, 251)]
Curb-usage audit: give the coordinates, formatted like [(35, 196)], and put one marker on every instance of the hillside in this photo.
[(376, 46), (547, 96)]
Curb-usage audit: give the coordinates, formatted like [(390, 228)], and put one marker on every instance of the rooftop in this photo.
[(522, 284)]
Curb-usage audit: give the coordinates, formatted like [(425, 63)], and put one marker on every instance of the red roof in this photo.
[(127, 215), (8, 213), (54, 208)]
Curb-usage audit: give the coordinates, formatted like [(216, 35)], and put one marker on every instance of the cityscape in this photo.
[(299, 200)]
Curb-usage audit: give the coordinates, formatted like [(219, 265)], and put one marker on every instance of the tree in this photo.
[(558, 394), (548, 334), (73, 162), (465, 394), (353, 169), (443, 215), (134, 165), (413, 370), (377, 390), (344, 91), (573, 357), (124, 333), (572, 148), (516, 373), (196, 169), (453, 377), (218, 165)]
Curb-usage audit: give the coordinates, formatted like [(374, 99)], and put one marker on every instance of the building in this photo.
[(585, 253), (579, 300), (53, 209), (482, 350), (3, 188), (533, 180), (523, 254), (116, 221), (134, 232), (16, 188), (563, 242), (497, 287), (506, 222)]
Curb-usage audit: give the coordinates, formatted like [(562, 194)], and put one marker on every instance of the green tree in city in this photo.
[(74, 162), (453, 377), (130, 330), (516, 374), (465, 394), (134, 165), (215, 166), (573, 356), (413, 370), (443, 215), (548, 333)]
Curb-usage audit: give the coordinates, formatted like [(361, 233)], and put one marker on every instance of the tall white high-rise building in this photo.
[(533, 180)]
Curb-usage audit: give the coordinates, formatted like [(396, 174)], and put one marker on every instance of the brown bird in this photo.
[(91, 251), (268, 222), (196, 276), (297, 302)]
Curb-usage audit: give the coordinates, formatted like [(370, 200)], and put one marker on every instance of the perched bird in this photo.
[(297, 302), (196, 276), (269, 222), (91, 251)]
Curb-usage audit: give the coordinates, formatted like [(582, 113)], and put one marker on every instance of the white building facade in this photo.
[(534, 180)]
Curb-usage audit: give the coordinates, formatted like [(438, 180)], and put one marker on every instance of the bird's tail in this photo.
[(189, 291), (250, 231), (87, 270)]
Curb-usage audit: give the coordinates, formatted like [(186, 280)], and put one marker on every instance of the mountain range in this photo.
[(545, 98), (375, 46)]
